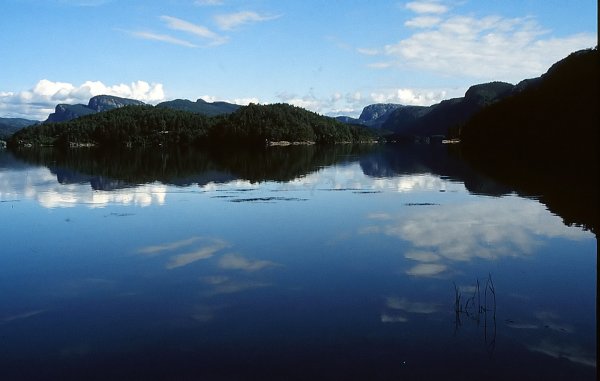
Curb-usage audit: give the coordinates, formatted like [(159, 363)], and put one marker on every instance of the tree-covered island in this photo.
[(147, 126)]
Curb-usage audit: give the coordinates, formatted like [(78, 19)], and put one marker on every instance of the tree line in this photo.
[(147, 126)]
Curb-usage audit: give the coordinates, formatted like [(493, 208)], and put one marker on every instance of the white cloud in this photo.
[(426, 7), (410, 97), (40, 101), (194, 29), (233, 20), (485, 48), (237, 101), (423, 22), (163, 38), (245, 101), (352, 103), (367, 51)]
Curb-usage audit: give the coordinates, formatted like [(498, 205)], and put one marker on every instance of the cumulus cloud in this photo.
[(234, 20), (39, 101), (411, 97), (486, 47), (422, 22), (433, 7), (352, 103)]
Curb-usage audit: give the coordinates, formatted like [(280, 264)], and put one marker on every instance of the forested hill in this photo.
[(544, 139), (9, 126), (283, 122), (154, 126)]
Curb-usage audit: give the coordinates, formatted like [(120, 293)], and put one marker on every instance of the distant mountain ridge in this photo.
[(9, 126), (200, 107), (438, 119), (544, 136), (372, 115), (403, 121), (99, 103), (148, 126)]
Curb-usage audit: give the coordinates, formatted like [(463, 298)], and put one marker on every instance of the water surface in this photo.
[(292, 263)]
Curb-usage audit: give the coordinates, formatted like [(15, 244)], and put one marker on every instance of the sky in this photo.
[(329, 56)]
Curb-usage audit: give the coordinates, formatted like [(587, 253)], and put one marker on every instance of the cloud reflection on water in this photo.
[(486, 228), (570, 352), (226, 285), (40, 184), (205, 252), (238, 262)]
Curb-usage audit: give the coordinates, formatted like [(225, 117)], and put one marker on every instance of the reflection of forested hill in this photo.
[(544, 140), (115, 169), (8, 161), (409, 159)]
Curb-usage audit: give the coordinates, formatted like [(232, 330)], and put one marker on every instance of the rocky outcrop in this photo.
[(99, 103), (374, 115), (439, 119)]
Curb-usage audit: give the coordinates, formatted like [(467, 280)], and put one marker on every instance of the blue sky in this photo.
[(330, 56)]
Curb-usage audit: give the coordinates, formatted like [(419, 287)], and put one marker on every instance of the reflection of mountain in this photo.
[(544, 139), (108, 170), (435, 159)]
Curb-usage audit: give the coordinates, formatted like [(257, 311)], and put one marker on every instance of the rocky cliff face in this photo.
[(438, 119), (99, 103), (376, 111), (107, 102)]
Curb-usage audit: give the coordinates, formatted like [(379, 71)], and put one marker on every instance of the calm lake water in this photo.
[(294, 263)]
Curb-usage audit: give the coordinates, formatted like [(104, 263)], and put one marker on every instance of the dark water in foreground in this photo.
[(295, 263)]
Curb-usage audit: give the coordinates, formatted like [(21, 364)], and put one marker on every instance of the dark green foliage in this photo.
[(545, 137), (200, 107), (126, 126), (156, 126), (258, 124), (441, 118), (117, 168), (9, 126)]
